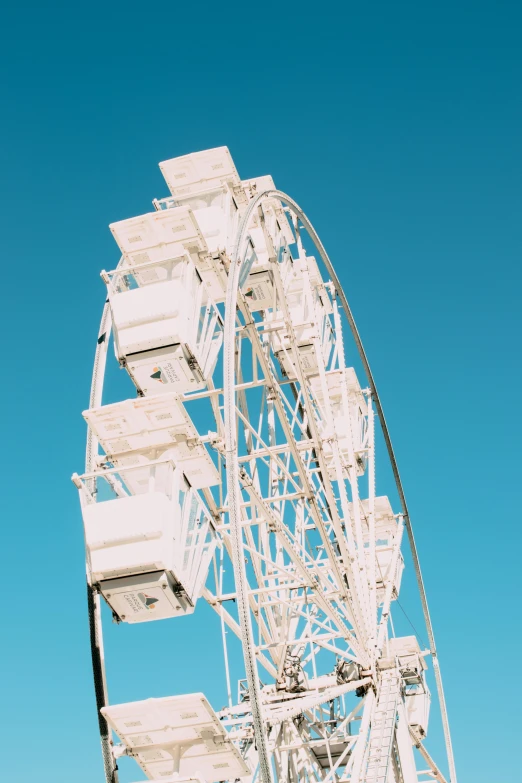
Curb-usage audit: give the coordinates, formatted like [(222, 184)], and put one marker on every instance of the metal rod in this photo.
[(391, 454), (93, 598), (234, 500)]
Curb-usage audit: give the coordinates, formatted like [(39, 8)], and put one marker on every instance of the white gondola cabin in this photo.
[(385, 531), (418, 702), (168, 233), (342, 411), (405, 652), (208, 184), (167, 332), (149, 552), (309, 309), (159, 236), (259, 288), (200, 172), (176, 737), (134, 432), (276, 222)]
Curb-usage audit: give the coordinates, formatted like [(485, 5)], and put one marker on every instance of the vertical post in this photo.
[(100, 684), (234, 497), (359, 753), (371, 522), (404, 744), (93, 597), (176, 759), (223, 630)]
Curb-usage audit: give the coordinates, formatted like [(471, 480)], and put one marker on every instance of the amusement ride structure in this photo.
[(249, 441)]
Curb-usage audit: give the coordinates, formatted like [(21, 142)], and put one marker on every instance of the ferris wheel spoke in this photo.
[(341, 538), (280, 531)]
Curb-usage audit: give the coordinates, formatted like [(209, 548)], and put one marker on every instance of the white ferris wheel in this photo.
[(249, 441)]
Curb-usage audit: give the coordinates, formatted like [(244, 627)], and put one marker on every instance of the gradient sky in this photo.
[(397, 127)]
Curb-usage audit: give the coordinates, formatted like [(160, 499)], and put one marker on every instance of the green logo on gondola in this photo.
[(147, 600), (156, 375)]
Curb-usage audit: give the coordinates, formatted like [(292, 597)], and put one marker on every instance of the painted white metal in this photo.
[(235, 516), (123, 533), (316, 555), (149, 552), (301, 304), (133, 432), (216, 214), (199, 172), (359, 757), (383, 728), (349, 413), (167, 333), (143, 598), (385, 527), (405, 759), (391, 454), (382, 628), (418, 702), (176, 734), (434, 771), (159, 237)]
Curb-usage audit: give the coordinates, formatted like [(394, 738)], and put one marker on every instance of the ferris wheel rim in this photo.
[(95, 398), (229, 405)]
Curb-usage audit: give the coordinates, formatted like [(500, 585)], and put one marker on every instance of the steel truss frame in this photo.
[(307, 599)]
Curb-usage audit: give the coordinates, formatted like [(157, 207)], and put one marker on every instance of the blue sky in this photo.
[(397, 127)]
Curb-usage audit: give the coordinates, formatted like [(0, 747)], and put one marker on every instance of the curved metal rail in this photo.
[(233, 476)]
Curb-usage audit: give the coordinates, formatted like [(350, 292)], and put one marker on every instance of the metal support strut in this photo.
[(233, 475), (234, 503), (93, 597)]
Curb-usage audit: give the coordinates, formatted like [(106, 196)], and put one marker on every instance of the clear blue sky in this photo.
[(397, 126)]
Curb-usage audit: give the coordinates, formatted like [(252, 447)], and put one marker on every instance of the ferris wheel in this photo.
[(249, 442)]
